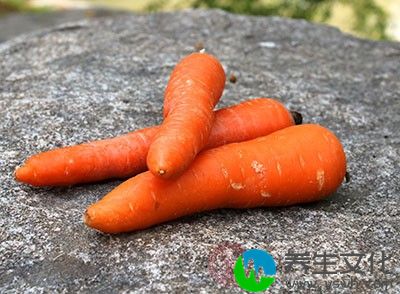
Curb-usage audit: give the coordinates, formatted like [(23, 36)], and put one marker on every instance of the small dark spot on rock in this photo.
[(90, 13), (198, 46), (68, 28), (385, 136), (249, 36), (233, 78), (347, 176), (297, 117)]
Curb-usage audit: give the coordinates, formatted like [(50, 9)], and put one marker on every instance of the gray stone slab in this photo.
[(14, 24), (100, 78)]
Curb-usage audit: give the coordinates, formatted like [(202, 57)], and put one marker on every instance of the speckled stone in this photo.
[(103, 77), (14, 24)]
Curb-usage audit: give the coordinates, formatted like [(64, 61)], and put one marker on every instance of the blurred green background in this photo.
[(373, 19)]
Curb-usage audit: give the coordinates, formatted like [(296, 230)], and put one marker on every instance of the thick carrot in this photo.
[(194, 88), (298, 164), (125, 156)]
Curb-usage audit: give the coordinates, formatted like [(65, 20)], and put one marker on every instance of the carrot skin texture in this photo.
[(199, 68), (248, 120), (125, 156), (193, 90), (294, 165)]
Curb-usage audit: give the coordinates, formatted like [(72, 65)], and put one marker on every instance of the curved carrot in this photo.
[(298, 164), (125, 156), (194, 88)]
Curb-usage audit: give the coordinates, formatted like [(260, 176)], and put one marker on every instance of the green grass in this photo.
[(8, 6)]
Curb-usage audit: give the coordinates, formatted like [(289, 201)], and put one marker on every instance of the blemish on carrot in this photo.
[(237, 186), (130, 207), (320, 157), (258, 167), (302, 162), (278, 168), (320, 179), (142, 136), (153, 195), (195, 175), (265, 194), (225, 173)]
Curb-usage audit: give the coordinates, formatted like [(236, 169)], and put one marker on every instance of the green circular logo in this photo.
[(249, 277)]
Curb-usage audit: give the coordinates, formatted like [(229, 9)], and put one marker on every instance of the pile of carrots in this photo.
[(254, 154)]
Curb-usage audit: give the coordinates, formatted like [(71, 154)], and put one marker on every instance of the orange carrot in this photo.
[(119, 157), (249, 120), (294, 165), (194, 88), (125, 156)]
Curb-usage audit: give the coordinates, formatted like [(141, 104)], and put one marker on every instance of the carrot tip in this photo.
[(86, 218), (297, 117), (202, 50), (23, 173)]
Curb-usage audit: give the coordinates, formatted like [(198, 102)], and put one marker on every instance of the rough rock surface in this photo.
[(14, 24), (99, 78)]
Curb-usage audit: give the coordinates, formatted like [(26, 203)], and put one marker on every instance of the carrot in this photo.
[(249, 120), (119, 157), (193, 90), (294, 165), (125, 156)]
